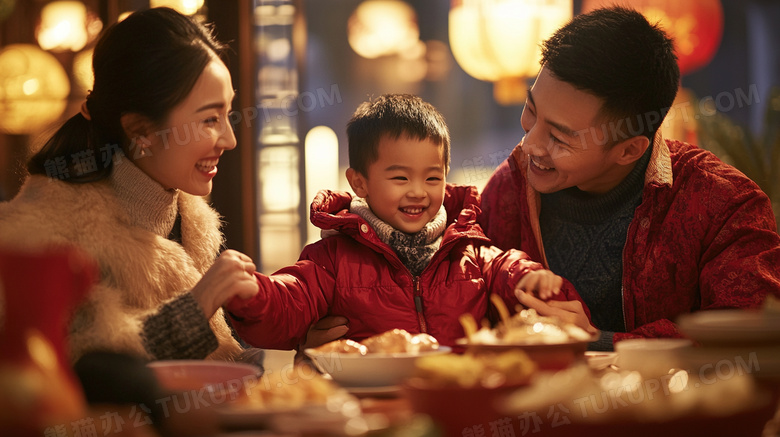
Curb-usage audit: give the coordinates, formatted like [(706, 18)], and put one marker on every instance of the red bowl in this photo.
[(556, 356), (455, 410), (216, 376)]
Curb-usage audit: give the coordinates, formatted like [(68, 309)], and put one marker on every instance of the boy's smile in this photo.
[(404, 187)]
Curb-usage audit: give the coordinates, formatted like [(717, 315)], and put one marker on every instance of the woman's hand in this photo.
[(232, 274), (545, 283), (570, 311)]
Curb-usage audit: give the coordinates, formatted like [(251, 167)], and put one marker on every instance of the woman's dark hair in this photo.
[(146, 64), (617, 55), (393, 115)]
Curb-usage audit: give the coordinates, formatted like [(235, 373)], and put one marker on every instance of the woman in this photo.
[(123, 179)]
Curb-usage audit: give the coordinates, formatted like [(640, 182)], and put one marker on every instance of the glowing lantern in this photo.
[(382, 27), (67, 25), (83, 78), (695, 25), (498, 40), (186, 7), (33, 89)]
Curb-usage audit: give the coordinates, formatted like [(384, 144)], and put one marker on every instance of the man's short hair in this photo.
[(393, 115), (617, 55)]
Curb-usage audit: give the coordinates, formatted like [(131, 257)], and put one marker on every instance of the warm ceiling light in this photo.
[(186, 7), (382, 27), (82, 71), (65, 25), (33, 89), (498, 40)]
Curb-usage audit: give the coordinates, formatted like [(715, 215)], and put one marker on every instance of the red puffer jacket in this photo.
[(704, 236), (355, 275)]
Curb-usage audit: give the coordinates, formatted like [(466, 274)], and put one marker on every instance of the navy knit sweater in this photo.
[(584, 235)]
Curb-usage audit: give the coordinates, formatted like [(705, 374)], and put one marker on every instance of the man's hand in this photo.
[(545, 283), (326, 329), (568, 311)]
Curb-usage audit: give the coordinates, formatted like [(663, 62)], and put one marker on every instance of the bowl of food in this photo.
[(549, 342), (383, 360), (463, 392)]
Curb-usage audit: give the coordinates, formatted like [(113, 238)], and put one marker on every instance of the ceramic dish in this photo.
[(372, 370), (731, 326)]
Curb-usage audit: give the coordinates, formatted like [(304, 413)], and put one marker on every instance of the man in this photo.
[(645, 228)]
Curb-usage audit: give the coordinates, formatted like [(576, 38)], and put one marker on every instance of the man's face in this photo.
[(564, 139)]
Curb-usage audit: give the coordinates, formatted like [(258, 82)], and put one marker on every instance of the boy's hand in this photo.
[(545, 283), (231, 276)]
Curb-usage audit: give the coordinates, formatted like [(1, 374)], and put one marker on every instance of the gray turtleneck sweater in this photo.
[(584, 236)]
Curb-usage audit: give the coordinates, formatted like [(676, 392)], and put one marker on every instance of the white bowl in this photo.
[(732, 327), (372, 370), (651, 357)]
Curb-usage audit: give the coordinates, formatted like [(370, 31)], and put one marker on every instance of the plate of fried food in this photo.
[(295, 400), (548, 341), (380, 362)]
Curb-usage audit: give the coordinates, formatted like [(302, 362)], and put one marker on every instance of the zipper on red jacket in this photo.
[(418, 305)]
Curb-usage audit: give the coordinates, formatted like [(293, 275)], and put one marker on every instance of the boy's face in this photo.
[(405, 186)]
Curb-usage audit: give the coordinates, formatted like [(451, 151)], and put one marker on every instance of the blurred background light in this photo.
[(33, 89), (322, 167), (82, 71), (498, 40), (382, 27), (695, 25), (67, 25), (186, 7)]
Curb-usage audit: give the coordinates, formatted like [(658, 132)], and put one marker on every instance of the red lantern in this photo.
[(695, 25)]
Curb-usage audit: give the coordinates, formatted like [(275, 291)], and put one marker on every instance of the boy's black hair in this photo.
[(393, 115), (617, 55)]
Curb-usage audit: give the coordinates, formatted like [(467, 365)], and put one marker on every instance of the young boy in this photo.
[(406, 252)]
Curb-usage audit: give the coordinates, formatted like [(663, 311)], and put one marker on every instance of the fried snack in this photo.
[(469, 324), (528, 327), (393, 341), (503, 311), (422, 343), (512, 367), (289, 389), (342, 346)]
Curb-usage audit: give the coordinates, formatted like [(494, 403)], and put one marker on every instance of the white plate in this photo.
[(372, 370), (731, 326)]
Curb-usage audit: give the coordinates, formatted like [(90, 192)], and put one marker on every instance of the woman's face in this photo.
[(185, 150)]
